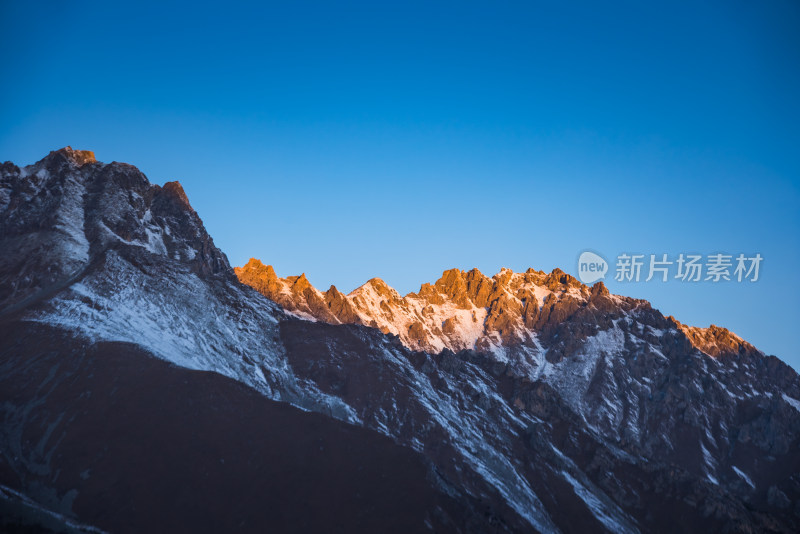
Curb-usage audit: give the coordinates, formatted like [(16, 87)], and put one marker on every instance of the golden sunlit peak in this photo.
[(80, 157)]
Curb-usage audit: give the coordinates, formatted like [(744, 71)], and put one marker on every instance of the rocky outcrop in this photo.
[(340, 307), (260, 277), (716, 341), (78, 157), (297, 295)]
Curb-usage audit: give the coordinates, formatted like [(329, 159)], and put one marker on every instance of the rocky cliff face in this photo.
[(62, 213), (526, 402)]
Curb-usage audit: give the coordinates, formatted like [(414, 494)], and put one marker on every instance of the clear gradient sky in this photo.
[(352, 140)]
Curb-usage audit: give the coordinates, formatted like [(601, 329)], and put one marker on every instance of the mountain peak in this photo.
[(380, 287), (79, 157), (558, 278), (175, 190), (599, 289), (255, 263), (299, 283), (377, 283), (99, 210)]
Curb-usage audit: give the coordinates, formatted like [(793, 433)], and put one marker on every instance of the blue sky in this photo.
[(353, 140)]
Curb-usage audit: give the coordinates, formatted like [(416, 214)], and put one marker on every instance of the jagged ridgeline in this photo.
[(468, 310)]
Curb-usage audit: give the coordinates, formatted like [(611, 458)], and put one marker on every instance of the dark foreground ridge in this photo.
[(133, 444)]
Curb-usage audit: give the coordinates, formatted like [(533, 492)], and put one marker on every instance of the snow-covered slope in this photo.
[(542, 404)]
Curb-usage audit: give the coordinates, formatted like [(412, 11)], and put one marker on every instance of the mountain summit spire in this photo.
[(79, 157)]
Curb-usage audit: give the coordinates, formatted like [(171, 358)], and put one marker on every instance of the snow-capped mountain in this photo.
[(508, 312), (524, 402)]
